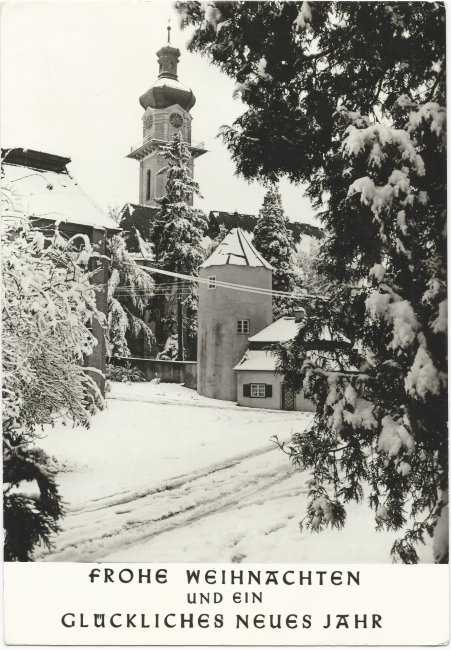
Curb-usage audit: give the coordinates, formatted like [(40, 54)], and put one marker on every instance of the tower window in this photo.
[(242, 327), (212, 281), (149, 176)]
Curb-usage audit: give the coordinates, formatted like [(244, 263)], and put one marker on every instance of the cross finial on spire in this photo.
[(169, 30)]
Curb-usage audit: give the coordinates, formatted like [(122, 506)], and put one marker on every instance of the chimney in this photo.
[(299, 315)]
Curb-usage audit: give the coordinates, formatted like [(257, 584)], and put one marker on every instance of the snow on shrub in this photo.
[(129, 291), (48, 304), (335, 116), (381, 417)]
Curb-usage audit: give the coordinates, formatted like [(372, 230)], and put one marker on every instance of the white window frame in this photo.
[(258, 390), (242, 326), (212, 281)]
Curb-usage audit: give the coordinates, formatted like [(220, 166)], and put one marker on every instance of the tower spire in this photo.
[(167, 104)]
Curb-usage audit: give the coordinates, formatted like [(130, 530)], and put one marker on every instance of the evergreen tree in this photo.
[(216, 240), (307, 264), (48, 303), (176, 237), (129, 291), (351, 95), (275, 242)]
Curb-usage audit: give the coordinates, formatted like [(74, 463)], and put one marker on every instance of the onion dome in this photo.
[(168, 90)]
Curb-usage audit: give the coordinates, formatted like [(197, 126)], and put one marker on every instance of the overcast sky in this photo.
[(71, 77)]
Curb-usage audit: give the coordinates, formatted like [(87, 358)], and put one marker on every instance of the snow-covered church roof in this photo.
[(236, 249), (38, 184)]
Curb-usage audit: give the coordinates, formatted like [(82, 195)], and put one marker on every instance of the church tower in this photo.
[(167, 106)]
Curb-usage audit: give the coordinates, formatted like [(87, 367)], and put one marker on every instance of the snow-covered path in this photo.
[(114, 523), (158, 458), (165, 475)]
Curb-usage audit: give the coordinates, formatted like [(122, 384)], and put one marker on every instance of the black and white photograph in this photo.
[(224, 298)]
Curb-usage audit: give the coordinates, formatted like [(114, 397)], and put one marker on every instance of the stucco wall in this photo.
[(274, 402), (219, 346), (259, 377), (172, 372)]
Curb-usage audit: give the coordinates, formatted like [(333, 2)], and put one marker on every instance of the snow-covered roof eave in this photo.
[(53, 195), (76, 224), (251, 369), (257, 361), (281, 331)]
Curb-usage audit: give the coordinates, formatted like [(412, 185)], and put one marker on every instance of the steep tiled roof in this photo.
[(135, 215), (247, 222)]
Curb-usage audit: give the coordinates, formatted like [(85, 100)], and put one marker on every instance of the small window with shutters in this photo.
[(257, 390)]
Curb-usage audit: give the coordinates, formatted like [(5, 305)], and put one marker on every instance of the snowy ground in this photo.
[(166, 475)]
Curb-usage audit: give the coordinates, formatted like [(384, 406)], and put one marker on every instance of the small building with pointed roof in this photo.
[(235, 303), (258, 382)]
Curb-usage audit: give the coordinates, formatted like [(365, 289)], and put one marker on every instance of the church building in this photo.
[(167, 104), (230, 319)]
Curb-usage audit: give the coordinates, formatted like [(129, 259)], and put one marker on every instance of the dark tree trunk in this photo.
[(180, 351)]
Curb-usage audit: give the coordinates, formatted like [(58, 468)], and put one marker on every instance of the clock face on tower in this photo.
[(176, 120)]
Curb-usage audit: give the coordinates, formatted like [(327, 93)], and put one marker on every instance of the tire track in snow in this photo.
[(122, 498), (89, 535)]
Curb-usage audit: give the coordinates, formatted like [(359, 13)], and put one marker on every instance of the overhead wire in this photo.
[(226, 285)]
